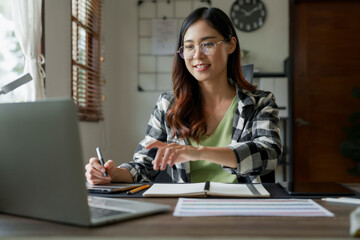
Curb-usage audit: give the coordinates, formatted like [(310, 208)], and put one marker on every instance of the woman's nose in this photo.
[(197, 52)]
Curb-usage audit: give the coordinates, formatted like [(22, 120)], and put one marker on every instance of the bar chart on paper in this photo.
[(191, 207)]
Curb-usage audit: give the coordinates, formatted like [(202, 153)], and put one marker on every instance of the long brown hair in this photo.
[(186, 116)]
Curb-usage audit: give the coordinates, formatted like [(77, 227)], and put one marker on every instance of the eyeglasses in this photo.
[(207, 47)]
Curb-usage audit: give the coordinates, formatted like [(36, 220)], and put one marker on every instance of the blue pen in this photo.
[(101, 159)]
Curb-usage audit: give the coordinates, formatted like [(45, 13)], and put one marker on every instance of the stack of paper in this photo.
[(191, 207)]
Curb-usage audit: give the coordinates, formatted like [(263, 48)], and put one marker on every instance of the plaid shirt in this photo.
[(255, 140)]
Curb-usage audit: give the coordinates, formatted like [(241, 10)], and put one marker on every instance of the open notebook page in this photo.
[(169, 189), (239, 190)]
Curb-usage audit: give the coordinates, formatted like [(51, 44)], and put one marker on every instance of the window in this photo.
[(11, 56), (87, 59)]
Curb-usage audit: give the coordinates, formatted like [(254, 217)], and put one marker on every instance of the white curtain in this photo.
[(27, 20)]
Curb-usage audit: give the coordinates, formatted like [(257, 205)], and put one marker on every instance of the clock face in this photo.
[(248, 15)]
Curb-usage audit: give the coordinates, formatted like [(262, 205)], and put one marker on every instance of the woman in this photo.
[(214, 125)]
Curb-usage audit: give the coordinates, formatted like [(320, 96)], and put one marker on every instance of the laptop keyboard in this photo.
[(102, 212)]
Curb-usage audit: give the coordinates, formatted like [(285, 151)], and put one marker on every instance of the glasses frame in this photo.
[(199, 44)]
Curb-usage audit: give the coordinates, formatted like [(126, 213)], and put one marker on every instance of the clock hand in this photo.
[(253, 10), (245, 12)]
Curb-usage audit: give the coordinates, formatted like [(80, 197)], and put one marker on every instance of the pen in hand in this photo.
[(135, 190), (101, 159)]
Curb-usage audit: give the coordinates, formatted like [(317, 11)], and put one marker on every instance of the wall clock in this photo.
[(248, 15)]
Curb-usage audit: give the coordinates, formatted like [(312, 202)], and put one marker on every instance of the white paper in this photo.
[(164, 32), (236, 190), (171, 189), (194, 207)]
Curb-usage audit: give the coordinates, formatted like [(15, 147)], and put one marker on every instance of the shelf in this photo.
[(268, 75)]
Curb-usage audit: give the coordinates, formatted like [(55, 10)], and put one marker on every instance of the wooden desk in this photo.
[(166, 226)]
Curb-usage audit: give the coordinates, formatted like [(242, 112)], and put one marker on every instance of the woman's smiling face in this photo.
[(207, 67)]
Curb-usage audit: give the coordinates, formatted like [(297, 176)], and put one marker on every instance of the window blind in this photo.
[(87, 59)]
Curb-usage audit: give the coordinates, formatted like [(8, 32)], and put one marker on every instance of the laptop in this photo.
[(42, 170)]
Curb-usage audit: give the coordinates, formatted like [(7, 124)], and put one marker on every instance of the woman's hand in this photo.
[(95, 171), (169, 154)]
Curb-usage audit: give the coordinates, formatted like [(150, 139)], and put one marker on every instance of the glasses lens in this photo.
[(181, 52), (188, 51), (208, 47)]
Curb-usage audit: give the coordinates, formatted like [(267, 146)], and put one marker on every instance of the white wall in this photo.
[(126, 110), (269, 45)]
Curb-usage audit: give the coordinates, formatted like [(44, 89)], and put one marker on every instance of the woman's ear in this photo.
[(232, 45)]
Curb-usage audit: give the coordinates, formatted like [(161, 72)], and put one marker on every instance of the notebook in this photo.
[(205, 189), (42, 169)]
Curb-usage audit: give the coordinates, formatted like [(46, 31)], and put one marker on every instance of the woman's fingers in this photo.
[(164, 156), (96, 180), (109, 165), (156, 144), (158, 159), (93, 169), (169, 154), (167, 157), (173, 159), (95, 163), (94, 172)]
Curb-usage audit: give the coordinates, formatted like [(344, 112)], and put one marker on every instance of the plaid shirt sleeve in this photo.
[(141, 167), (256, 134)]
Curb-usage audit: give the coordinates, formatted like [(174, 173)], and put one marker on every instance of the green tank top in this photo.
[(200, 170)]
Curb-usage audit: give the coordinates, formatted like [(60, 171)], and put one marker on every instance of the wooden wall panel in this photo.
[(326, 64)]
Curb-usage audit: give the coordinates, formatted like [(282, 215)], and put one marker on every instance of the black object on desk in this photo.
[(316, 189)]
